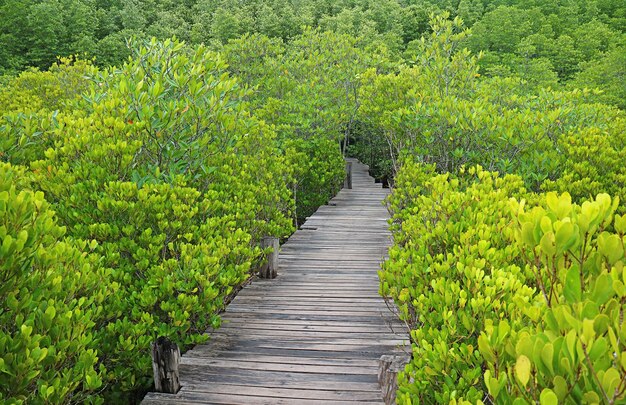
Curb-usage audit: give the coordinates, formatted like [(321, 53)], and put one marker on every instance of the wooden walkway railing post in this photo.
[(165, 361), (347, 182), (270, 267), (388, 369)]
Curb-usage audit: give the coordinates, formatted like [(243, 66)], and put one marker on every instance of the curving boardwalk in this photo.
[(315, 333)]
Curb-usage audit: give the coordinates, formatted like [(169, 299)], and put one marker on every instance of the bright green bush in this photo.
[(33, 90), (514, 304), (306, 89), (177, 183), (30, 104), (173, 264), (576, 352), (452, 269), (52, 294), (163, 166), (594, 159), (439, 110)]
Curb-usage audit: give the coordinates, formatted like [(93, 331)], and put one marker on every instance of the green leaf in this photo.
[(572, 289), (547, 244), (611, 247), (50, 312), (548, 397), (528, 234), (522, 370), (611, 380), (493, 385), (553, 201), (620, 224), (26, 330), (601, 324), (589, 332), (591, 397), (603, 290), (560, 387), (546, 224), (485, 348), (547, 356), (599, 349)]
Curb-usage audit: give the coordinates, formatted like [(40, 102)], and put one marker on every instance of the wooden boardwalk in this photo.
[(315, 333)]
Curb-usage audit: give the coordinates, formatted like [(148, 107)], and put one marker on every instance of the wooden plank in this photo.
[(289, 341), (294, 303), (301, 312), (318, 394), (193, 374), (322, 329), (315, 342), (211, 351), (309, 334), (311, 293), (242, 356), (186, 398), (220, 364), (298, 303), (273, 323)]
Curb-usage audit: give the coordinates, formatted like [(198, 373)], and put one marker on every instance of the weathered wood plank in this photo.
[(318, 394), (278, 324), (291, 327), (242, 356), (199, 374), (186, 398), (286, 352), (257, 333), (217, 364)]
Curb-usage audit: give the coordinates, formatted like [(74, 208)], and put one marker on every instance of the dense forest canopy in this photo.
[(208, 125), (578, 42)]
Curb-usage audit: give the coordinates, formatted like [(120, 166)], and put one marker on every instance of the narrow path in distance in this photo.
[(315, 333)]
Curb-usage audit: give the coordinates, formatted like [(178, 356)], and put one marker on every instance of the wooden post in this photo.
[(165, 360), (388, 368), (270, 267), (347, 182)]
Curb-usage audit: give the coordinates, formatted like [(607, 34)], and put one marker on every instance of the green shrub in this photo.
[(161, 165), (172, 263), (30, 104), (54, 89), (52, 292), (452, 269), (504, 302), (439, 110), (593, 161), (576, 352), (306, 89)]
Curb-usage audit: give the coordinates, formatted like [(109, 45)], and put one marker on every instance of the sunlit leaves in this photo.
[(52, 297), (551, 331), (160, 166)]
